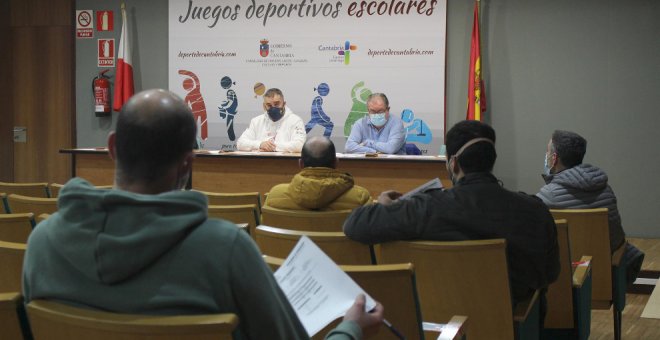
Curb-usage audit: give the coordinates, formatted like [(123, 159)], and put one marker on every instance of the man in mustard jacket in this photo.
[(319, 186)]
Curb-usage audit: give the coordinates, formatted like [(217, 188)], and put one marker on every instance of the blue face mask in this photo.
[(378, 119), (275, 113)]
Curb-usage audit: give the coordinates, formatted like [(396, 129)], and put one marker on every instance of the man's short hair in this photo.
[(479, 157), (318, 152), (382, 96), (272, 92), (569, 147), (153, 134)]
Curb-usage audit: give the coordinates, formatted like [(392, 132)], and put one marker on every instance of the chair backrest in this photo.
[(35, 205), (55, 189), (243, 213), (11, 266), (10, 324), (279, 242), (588, 232), (55, 321), (466, 277), (25, 189), (4, 204), (304, 220), (41, 218), (393, 285), (560, 293), (16, 227), (234, 198)]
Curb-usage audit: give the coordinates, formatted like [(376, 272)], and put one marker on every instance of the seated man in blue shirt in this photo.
[(378, 131)]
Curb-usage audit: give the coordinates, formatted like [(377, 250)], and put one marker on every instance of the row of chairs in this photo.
[(570, 298), (57, 321), (36, 189), (604, 295)]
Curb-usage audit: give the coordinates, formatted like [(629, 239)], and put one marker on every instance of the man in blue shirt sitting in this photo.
[(378, 131)]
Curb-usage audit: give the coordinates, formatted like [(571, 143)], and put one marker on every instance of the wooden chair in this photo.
[(16, 227), (304, 220), (393, 285), (25, 189), (12, 316), (5, 205), (42, 218), (467, 278), (55, 321), (234, 198), (35, 205), (279, 242), (588, 232), (55, 189), (244, 213), (569, 298), (11, 266)]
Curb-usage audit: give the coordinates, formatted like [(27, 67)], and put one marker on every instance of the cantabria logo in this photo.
[(264, 48), (346, 52)]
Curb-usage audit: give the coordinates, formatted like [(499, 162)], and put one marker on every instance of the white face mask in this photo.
[(546, 166), (452, 177)]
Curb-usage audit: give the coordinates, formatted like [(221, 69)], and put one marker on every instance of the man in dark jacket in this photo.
[(477, 207), (572, 184)]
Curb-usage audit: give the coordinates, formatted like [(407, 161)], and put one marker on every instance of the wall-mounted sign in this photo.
[(104, 21), (106, 52), (84, 24)]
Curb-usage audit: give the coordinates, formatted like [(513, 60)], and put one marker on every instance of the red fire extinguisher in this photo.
[(101, 88)]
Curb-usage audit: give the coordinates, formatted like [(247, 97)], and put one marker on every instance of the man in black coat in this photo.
[(477, 207)]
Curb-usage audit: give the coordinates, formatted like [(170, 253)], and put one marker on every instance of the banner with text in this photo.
[(325, 56)]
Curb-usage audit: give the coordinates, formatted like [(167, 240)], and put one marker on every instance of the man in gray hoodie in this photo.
[(570, 184), (146, 247)]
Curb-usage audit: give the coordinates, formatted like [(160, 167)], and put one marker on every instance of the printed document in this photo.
[(432, 184), (316, 287)]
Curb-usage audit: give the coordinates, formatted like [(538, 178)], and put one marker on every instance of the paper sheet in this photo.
[(432, 184), (316, 287)]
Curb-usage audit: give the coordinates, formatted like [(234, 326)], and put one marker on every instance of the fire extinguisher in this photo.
[(101, 89)]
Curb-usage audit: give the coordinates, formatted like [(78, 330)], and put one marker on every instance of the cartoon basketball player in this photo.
[(195, 101), (359, 94), (317, 115), (228, 107)]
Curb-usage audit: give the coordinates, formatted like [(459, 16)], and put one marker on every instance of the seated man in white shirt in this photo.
[(277, 129)]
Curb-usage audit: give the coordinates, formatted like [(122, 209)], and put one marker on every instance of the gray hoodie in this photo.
[(154, 254)]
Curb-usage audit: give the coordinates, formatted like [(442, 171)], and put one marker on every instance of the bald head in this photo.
[(155, 129), (318, 152)]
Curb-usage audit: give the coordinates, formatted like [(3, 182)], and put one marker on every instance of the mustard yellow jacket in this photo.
[(318, 189)]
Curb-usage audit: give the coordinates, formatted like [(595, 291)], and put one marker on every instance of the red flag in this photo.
[(124, 72), (476, 104)]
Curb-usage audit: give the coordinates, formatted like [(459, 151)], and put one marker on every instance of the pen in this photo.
[(394, 330)]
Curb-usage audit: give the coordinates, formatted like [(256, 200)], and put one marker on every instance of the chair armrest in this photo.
[(581, 271), (618, 254), (523, 308), (454, 329)]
